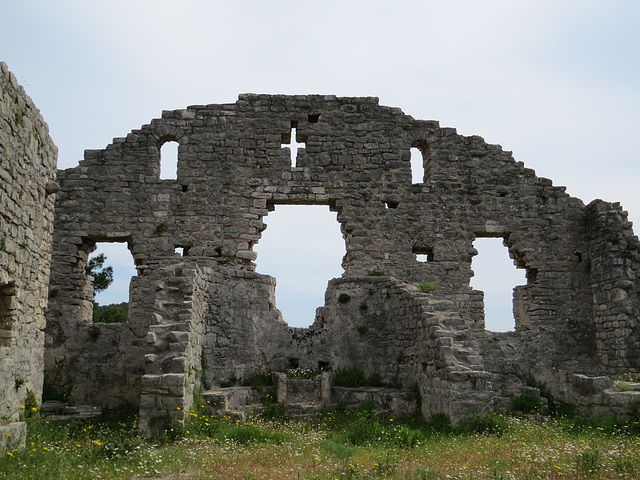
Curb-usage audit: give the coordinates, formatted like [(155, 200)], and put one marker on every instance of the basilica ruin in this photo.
[(200, 316)]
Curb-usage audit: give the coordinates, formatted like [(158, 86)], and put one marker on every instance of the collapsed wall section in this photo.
[(244, 331), (27, 174), (367, 323)]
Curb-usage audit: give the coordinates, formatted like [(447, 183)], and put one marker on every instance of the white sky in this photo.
[(556, 82)]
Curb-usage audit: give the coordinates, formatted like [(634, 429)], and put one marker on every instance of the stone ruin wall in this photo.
[(207, 315), (27, 172)]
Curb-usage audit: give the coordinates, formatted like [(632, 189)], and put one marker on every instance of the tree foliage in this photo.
[(102, 276), (110, 313)]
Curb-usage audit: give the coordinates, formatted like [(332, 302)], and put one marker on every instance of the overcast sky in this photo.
[(556, 82)]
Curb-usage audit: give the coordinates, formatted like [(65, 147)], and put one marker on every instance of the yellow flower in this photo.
[(22, 406)]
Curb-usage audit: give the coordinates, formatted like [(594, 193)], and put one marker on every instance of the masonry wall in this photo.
[(615, 254), (234, 167), (27, 174)]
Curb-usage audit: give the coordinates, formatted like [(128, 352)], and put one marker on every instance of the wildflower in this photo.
[(22, 407)]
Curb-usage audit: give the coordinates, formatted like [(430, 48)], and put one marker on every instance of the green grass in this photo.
[(337, 444)]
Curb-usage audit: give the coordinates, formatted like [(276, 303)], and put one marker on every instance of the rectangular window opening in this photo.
[(7, 314)]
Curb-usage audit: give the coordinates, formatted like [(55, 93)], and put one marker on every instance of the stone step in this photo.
[(59, 412), (221, 400)]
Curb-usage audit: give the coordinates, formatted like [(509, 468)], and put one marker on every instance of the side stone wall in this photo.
[(27, 174), (615, 261)]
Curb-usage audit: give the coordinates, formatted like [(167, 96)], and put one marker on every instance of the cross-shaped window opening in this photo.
[(292, 143)]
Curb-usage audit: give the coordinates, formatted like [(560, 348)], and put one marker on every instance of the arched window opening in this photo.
[(496, 275), (111, 298), (417, 165), (169, 160), (302, 248)]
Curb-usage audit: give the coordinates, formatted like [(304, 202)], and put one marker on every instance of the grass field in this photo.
[(338, 444)]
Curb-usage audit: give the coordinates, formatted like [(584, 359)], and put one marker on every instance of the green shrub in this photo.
[(589, 462), (344, 298), (406, 437), (491, 424), (350, 377), (160, 229), (426, 287), (30, 405), (229, 382), (528, 401), (275, 412), (564, 410), (440, 423), (545, 392), (366, 428), (374, 380), (259, 381)]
